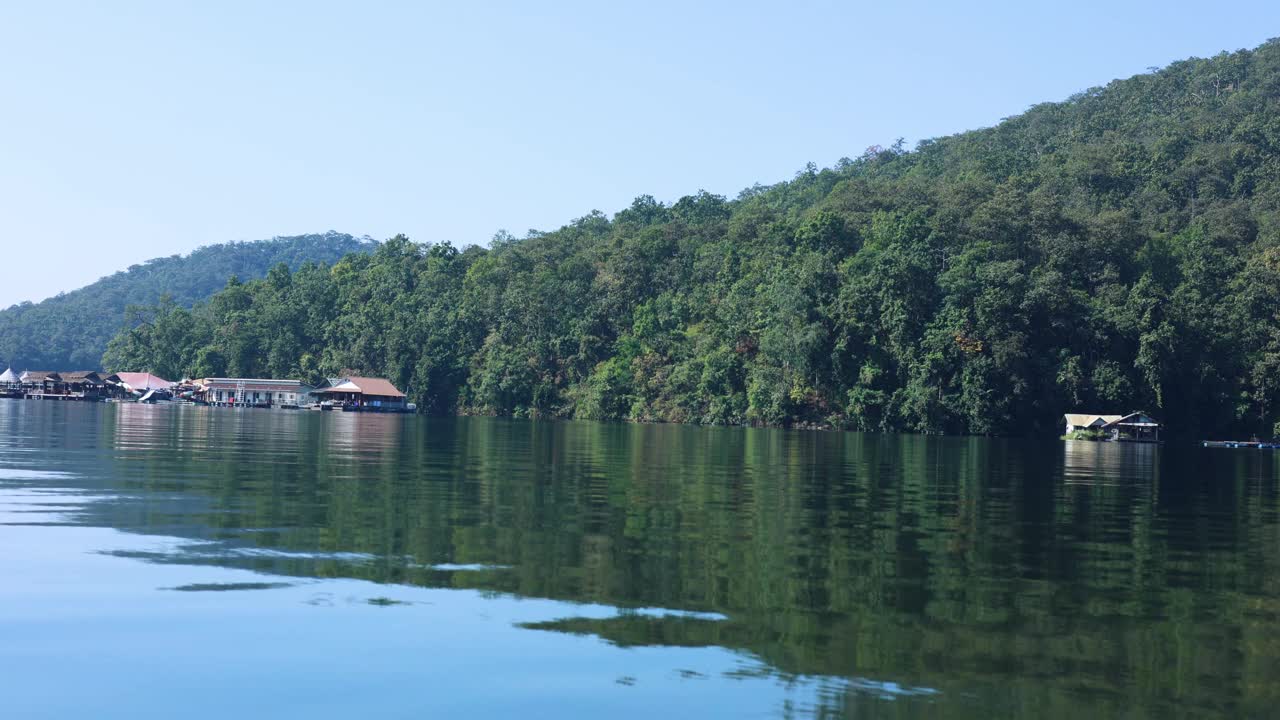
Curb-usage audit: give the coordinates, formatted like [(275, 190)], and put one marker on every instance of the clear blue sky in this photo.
[(141, 129)]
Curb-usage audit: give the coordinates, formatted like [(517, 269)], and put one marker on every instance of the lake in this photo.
[(164, 561)]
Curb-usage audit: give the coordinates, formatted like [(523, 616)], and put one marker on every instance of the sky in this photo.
[(136, 130)]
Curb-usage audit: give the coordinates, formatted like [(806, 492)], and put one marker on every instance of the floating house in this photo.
[(74, 385), (39, 383), (254, 392), (364, 395), (10, 384), (1134, 427), (36, 378), (84, 384)]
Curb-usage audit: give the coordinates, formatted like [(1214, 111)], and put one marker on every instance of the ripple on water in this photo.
[(12, 473), (462, 567), (226, 587)]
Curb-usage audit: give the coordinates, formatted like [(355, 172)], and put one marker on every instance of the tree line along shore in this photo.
[(1120, 249)]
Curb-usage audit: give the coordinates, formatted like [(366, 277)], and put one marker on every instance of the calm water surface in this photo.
[(164, 562)]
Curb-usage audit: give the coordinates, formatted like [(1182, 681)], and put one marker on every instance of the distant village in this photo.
[(350, 392), (347, 393)]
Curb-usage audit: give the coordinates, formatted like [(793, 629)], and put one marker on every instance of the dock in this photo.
[(1242, 444), (77, 397)]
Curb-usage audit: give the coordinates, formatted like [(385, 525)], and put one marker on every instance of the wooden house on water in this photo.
[(86, 385), (1134, 427), (253, 392), (39, 383), (362, 394)]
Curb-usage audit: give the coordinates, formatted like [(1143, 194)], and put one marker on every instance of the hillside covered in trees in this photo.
[(71, 331), (1116, 251)]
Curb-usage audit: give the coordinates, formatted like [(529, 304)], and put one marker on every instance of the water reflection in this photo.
[(1091, 463), (956, 576)]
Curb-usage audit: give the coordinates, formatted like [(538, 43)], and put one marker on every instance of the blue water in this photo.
[(207, 562)]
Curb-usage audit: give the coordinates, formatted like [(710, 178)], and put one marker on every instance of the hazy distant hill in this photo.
[(70, 331)]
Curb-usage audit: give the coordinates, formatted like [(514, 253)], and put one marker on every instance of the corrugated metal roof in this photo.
[(1090, 419), (39, 376), (343, 387), (142, 381), (365, 386), (81, 376), (255, 384), (376, 386), (1139, 418)]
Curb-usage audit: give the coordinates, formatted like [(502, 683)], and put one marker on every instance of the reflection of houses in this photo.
[(1134, 427), (1109, 463), (253, 392), (363, 394), (360, 434)]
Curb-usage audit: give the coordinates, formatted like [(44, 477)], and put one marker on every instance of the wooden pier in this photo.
[(62, 396)]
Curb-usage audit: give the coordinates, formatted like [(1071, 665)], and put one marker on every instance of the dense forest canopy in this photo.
[(71, 331), (1116, 251)]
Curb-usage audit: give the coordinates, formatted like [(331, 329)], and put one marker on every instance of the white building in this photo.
[(255, 392), (1134, 427)]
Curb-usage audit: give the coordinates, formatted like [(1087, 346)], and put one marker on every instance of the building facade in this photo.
[(254, 392), (1134, 427), (364, 394), (72, 385)]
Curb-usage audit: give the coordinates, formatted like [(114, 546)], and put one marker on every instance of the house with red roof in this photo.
[(364, 394), (138, 383)]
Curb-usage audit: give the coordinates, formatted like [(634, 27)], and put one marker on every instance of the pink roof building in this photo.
[(141, 382)]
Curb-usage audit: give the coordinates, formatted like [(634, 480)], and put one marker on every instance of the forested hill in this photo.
[(1116, 251), (70, 331)]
